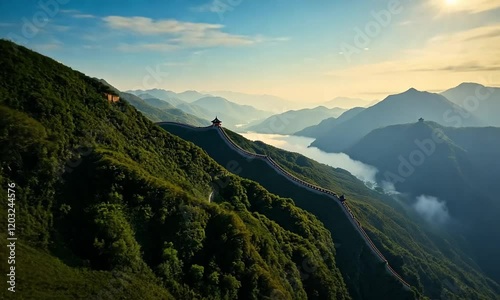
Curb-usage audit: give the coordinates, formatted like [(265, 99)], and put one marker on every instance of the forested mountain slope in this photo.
[(431, 261), (395, 109), (458, 166), (111, 206)]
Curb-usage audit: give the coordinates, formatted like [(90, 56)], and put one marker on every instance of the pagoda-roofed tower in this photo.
[(216, 122)]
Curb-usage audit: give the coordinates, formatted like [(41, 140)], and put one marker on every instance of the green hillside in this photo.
[(460, 167), (109, 204), (43, 276), (429, 260)]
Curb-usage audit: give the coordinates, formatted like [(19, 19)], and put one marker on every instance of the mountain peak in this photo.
[(190, 92), (212, 98), (470, 84)]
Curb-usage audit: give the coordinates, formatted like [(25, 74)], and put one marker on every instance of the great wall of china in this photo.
[(343, 205)]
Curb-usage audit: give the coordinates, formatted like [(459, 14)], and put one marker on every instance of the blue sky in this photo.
[(306, 51)]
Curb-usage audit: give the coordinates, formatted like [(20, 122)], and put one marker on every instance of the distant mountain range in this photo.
[(345, 102), (222, 106), (158, 110), (187, 96), (155, 102), (395, 109), (191, 96), (174, 101), (294, 120), (205, 106), (459, 166), (326, 124), (481, 101), (234, 109), (157, 93), (263, 102)]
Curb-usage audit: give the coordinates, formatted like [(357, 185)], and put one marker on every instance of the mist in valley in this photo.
[(429, 208), (299, 144)]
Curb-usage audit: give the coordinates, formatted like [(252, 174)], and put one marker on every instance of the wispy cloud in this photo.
[(207, 7), (443, 61), (472, 66), (50, 45), (487, 32), (432, 209), (84, 16), (176, 64), (148, 26), (220, 7), (174, 34), (69, 11), (406, 23), (470, 50), (464, 6), (77, 14), (146, 47), (60, 28)]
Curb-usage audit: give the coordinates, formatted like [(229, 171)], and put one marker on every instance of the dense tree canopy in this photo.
[(431, 260), (114, 205)]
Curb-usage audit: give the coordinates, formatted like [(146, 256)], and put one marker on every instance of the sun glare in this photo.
[(451, 2)]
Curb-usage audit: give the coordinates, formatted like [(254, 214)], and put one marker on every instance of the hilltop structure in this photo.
[(216, 122), (111, 98)]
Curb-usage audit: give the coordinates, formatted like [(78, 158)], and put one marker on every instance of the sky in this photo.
[(306, 51)]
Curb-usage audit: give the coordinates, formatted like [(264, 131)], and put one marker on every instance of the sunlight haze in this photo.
[(268, 47)]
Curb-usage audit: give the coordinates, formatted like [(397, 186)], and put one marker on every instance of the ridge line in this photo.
[(314, 188)]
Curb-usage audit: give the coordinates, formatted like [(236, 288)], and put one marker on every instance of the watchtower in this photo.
[(216, 122)]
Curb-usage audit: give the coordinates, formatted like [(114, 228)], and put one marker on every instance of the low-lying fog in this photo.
[(429, 208), (300, 145)]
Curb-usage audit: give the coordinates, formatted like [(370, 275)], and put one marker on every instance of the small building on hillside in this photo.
[(216, 122), (421, 120), (111, 98)]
